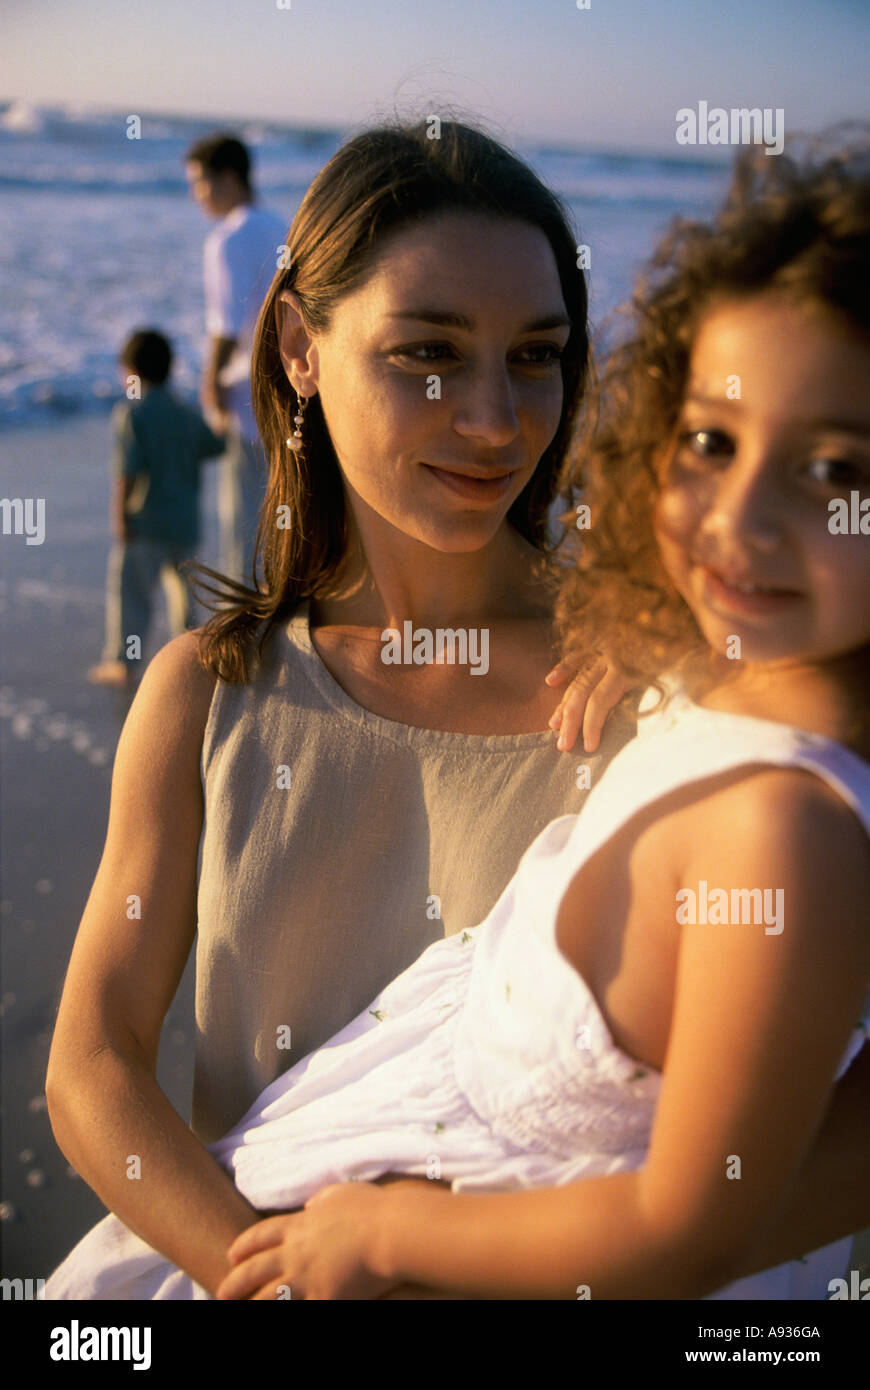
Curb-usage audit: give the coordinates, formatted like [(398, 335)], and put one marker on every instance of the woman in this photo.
[(418, 367)]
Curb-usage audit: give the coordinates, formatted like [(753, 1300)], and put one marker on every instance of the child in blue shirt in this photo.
[(159, 443)]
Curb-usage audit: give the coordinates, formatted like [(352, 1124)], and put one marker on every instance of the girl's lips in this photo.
[(747, 597), (473, 489)]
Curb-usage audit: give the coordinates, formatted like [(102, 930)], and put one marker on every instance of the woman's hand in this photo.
[(321, 1252), (590, 697)]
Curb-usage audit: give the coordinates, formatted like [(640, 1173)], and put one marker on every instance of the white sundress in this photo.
[(488, 1062)]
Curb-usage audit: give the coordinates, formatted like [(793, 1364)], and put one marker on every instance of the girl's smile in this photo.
[(744, 596), (775, 423)]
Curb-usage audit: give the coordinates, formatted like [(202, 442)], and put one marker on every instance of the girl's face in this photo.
[(440, 378), (774, 426)]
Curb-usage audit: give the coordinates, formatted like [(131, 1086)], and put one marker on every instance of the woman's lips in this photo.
[(745, 596), (473, 489)]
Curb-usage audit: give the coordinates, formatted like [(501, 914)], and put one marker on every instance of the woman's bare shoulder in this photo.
[(172, 703), (178, 666)]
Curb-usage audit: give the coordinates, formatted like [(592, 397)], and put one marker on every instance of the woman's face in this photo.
[(440, 377)]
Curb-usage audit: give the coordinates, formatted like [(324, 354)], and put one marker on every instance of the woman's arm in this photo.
[(105, 1105)]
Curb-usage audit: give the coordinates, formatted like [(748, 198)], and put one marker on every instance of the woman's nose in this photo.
[(487, 410)]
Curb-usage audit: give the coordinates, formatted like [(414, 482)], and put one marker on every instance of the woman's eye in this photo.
[(707, 444), (834, 472), (542, 354), (424, 352), (535, 355)]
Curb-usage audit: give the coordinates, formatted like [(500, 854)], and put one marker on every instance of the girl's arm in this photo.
[(105, 1105), (831, 1199), (832, 1196), (759, 1023), (586, 704)]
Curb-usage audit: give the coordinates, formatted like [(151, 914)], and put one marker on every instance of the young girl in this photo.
[(620, 1071)]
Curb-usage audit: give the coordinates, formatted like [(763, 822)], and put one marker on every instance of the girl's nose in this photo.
[(487, 410), (746, 508)]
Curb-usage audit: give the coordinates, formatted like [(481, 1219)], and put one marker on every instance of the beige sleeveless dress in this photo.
[(337, 845)]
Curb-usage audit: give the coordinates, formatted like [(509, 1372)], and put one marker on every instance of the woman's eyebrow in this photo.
[(448, 319)]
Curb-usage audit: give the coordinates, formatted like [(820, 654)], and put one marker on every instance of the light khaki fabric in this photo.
[(313, 897)]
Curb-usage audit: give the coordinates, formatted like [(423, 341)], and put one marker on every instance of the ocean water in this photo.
[(98, 236)]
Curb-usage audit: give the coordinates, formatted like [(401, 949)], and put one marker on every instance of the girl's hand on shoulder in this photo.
[(587, 702), (321, 1252)]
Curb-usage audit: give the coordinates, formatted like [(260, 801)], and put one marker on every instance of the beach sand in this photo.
[(58, 741), (59, 735)]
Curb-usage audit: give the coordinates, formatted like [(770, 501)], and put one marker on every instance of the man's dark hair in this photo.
[(217, 153), (149, 355)]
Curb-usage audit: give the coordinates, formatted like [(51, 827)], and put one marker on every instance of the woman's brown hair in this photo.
[(798, 222), (381, 180)]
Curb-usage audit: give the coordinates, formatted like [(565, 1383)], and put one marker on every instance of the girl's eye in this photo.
[(707, 444), (834, 472)]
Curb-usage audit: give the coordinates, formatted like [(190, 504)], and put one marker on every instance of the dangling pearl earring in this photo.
[(296, 441)]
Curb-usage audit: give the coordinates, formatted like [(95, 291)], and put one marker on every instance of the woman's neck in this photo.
[(435, 589)]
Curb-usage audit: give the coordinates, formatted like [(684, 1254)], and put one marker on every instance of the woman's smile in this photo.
[(478, 411), (474, 487)]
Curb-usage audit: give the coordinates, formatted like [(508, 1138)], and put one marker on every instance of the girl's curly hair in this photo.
[(799, 222)]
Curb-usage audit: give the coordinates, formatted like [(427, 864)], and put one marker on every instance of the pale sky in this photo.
[(613, 75)]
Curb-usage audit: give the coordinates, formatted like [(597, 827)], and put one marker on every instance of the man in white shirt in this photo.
[(241, 256)]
